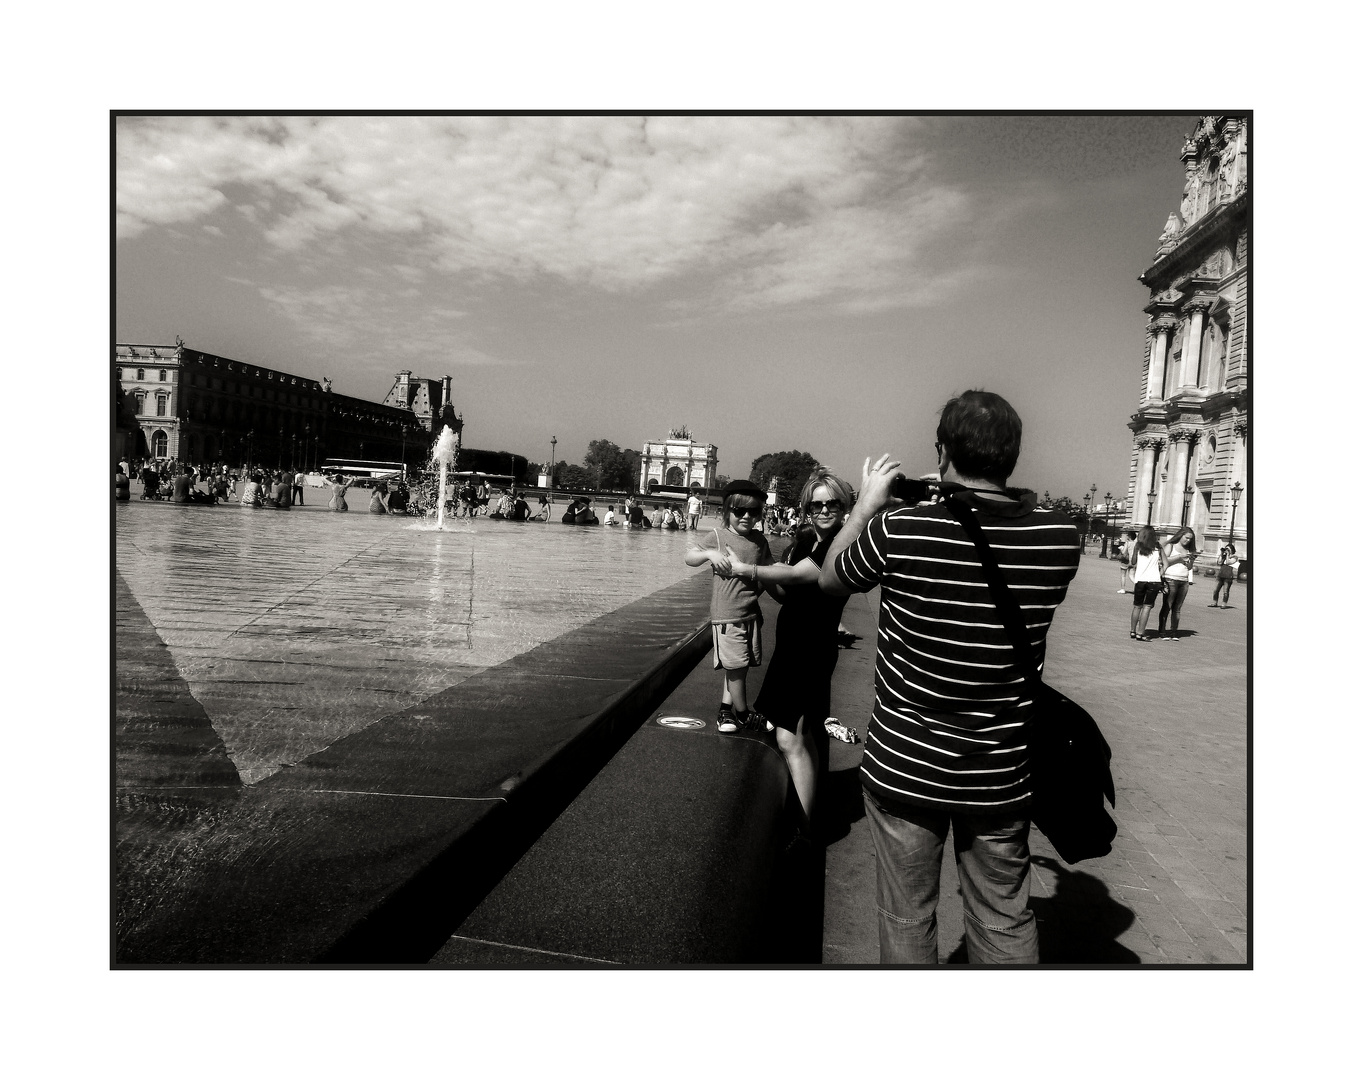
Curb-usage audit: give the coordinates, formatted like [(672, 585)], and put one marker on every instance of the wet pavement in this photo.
[(294, 629)]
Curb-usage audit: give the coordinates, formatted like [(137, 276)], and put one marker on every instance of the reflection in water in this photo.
[(293, 630)]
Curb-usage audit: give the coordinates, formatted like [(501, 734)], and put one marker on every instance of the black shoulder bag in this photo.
[(1070, 759)]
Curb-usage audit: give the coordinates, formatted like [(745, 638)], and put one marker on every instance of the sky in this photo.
[(772, 282)]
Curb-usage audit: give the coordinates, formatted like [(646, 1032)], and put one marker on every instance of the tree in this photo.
[(610, 467), (721, 481), (573, 477), (791, 468)]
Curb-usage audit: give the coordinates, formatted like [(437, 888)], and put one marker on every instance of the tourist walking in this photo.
[(1148, 576), (1125, 555), (299, 478), (1227, 563), (1179, 555), (948, 743), (797, 692), (735, 618)]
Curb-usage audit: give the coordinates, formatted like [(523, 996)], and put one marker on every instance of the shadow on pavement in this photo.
[(1078, 924)]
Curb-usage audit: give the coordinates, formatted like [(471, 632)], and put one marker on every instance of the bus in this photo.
[(356, 469)]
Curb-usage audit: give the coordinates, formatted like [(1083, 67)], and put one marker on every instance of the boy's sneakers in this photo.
[(726, 721)]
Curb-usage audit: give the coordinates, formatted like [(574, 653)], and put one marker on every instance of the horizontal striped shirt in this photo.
[(950, 722)]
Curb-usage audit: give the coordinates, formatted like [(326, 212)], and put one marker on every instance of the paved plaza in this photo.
[(1174, 888), (264, 656)]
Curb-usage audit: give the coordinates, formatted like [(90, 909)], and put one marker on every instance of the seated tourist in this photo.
[(282, 495), (180, 485), (610, 515), (253, 494), (377, 505), (122, 488), (520, 510)]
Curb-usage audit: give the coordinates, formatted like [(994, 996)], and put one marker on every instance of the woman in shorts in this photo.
[(1148, 574)]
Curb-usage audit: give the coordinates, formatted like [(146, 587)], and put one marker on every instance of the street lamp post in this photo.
[(1235, 492), (250, 447), (1084, 539), (553, 448), (1187, 501), (1107, 526), (279, 451), (293, 452)]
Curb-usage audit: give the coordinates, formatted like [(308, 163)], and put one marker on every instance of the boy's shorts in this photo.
[(738, 645)]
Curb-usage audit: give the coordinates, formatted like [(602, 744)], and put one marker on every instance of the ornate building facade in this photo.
[(428, 400), (678, 461), (196, 407), (1190, 440)]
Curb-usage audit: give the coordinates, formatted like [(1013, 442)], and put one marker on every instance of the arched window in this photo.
[(675, 476), (158, 444), (162, 376), (141, 374), (160, 404)]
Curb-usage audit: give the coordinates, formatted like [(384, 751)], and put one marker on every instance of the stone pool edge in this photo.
[(275, 898)]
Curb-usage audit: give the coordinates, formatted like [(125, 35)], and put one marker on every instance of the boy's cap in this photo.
[(744, 487)]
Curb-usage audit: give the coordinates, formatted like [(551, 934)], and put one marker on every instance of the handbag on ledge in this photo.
[(1070, 759)]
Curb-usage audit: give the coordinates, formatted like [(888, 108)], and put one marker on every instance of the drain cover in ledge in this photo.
[(681, 722)]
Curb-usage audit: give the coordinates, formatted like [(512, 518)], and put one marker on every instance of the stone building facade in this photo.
[(1190, 435), (196, 407), (678, 461), (428, 400)]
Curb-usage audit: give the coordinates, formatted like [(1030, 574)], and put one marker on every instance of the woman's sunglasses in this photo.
[(747, 511), (832, 506)]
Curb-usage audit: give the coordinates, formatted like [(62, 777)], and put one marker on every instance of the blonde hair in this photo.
[(821, 477)]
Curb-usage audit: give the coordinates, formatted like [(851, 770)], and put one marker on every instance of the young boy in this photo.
[(610, 514), (735, 619)]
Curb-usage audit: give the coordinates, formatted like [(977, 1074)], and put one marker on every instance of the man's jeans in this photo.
[(992, 862)]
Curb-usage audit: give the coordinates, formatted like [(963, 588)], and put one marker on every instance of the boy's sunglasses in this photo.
[(747, 511), (832, 505)]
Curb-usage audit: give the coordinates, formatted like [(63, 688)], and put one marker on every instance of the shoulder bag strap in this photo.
[(998, 589)]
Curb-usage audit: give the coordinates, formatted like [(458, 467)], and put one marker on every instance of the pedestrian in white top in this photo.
[(1127, 554), (1149, 577), (693, 511)]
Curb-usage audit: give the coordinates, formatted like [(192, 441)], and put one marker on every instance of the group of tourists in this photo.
[(947, 746), (1162, 569)]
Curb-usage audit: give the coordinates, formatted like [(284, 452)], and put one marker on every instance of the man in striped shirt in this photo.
[(947, 742)]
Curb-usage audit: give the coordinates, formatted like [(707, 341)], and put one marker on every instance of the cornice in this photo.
[(1191, 244)]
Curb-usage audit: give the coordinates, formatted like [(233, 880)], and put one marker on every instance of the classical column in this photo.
[(1145, 479), (1176, 475), (1192, 351), (1160, 331)]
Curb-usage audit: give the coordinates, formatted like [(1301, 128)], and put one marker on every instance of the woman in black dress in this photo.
[(795, 695)]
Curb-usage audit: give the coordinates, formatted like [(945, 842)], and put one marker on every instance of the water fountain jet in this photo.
[(443, 454)]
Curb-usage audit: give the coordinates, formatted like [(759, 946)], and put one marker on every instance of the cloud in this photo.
[(363, 320), (764, 211)]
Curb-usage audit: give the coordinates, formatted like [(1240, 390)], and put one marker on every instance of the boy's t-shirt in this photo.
[(732, 599)]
